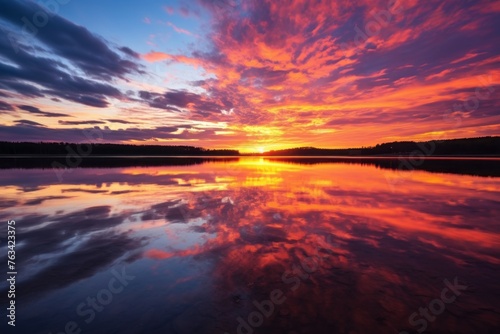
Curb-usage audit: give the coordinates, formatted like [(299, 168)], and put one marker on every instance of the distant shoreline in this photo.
[(486, 147), (42, 156)]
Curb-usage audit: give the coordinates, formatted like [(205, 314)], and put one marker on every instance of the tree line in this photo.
[(62, 148), (482, 146)]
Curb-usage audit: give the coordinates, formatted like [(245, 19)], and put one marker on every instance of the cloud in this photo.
[(81, 122), (33, 132), (19, 87), (185, 11), (179, 30), (75, 43), (28, 123), (129, 52), (38, 112), (6, 106), (30, 73), (273, 64), (198, 105), (170, 10), (51, 76), (155, 56), (120, 121)]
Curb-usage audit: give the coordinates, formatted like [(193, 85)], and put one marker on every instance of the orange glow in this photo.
[(249, 221)]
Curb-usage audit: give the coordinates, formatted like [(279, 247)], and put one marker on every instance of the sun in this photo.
[(260, 149)]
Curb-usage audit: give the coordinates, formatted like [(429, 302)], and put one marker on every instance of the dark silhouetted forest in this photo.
[(484, 146), (56, 149)]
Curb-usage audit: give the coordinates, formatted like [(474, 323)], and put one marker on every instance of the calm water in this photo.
[(253, 245)]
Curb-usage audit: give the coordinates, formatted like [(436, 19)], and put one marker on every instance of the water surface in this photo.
[(255, 245)]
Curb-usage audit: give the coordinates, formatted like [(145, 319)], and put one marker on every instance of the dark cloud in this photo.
[(31, 109), (90, 54), (120, 121), (52, 76), (89, 191), (167, 100), (174, 100), (29, 123), (129, 52), (19, 87), (264, 76), (81, 122), (38, 133), (72, 42), (121, 192), (37, 111), (6, 106)]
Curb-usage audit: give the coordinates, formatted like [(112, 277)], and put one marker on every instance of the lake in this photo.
[(253, 245)]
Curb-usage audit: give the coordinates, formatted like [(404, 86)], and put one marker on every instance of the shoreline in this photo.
[(464, 157)]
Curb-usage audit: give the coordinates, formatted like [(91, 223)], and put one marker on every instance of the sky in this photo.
[(249, 75)]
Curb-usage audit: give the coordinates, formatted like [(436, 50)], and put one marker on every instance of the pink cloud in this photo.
[(169, 10), (179, 30)]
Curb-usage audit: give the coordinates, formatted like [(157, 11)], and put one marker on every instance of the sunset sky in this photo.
[(250, 75)]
